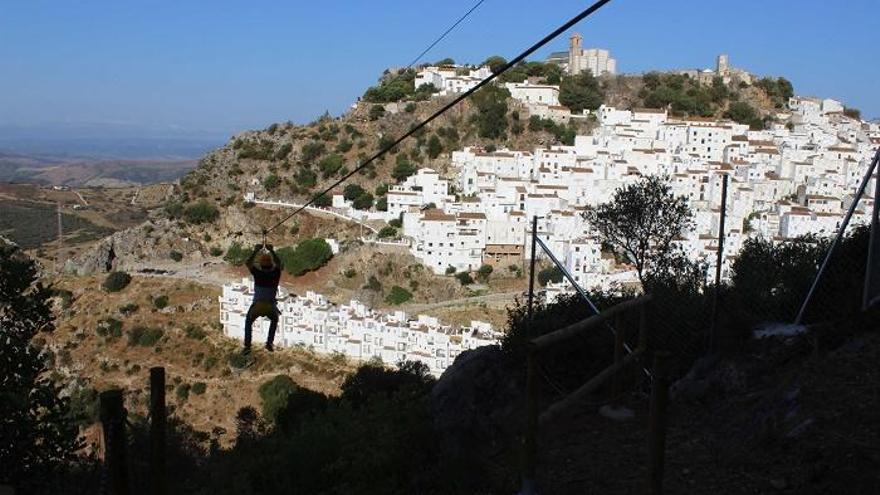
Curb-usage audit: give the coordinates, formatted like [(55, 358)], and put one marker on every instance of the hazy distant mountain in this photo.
[(100, 154)]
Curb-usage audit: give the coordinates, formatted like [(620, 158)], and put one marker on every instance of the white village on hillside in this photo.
[(794, 178)]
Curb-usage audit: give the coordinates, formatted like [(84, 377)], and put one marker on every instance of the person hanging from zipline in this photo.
[(267, 274)]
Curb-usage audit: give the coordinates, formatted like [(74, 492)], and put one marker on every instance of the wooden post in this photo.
[(657, 423), (157, 431), (113, 425), (530, 442), (619, 340), (643, 342)]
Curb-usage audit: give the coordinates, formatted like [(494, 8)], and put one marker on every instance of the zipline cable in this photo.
[(546, 39), (263, 231)]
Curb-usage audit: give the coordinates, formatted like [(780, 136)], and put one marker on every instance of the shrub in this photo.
[(398, 295), (350, 273), (175, 255), (343, 146), (116, 281), (465, 278), (376, 112), (128, 309), (308, 255), (274, 394), (160, 302), (387, 232), (450, 270), (182, 392), (236, 254), (552, 274), (173, 209), (396, 223), (382, 204), (109, 327), (199, 388), (144, 336), (270, 183), (330, 165), (201, 212), (373, 284), (283, 151), (484, 272), (410, 107), (216, 251), (194, 332), (312, 150), (363, 202)]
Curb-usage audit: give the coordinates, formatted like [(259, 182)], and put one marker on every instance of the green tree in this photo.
[(641, 221), (352, 191), (580, 92), (495, 63), (490, 116), (550, 274), (236, 254), (36, 437), (465, 278), (382, 204), (435, 147), (743, 113), (363, 201), (403, 169)]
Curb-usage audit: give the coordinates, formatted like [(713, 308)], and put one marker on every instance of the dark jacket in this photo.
[(265, 281)]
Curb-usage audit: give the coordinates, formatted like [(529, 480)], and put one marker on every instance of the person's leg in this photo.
[(273, 326), (248, 329)]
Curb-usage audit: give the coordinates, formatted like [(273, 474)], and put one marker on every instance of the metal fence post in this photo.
[(840, 232), (113, 425), (530, 442), (157, 431), (713, 332), (872, 267), (657, 423)]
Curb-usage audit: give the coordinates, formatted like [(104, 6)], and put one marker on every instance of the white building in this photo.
[(354, 330)]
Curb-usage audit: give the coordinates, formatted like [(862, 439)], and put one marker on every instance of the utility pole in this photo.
[(713, 337)]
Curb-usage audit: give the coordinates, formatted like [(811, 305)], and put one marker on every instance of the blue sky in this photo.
[(225, 66)]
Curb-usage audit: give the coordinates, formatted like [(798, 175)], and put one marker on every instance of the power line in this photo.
[(546, 39), (449, 30)]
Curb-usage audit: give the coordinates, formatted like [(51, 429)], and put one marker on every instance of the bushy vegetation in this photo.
[(274, 395), (464, 278), (308, 255), (194, 332), (201, 212), (109, 327), (683, 95), (387, 232), (144, 336), (236, 254), (262, 149), (490, 115), (398, 295), (116, 281), (779, 90), (743, 113), (579, 92), (160, 302), (330, 165), (403, 168), (565, 134), (175, 255)]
